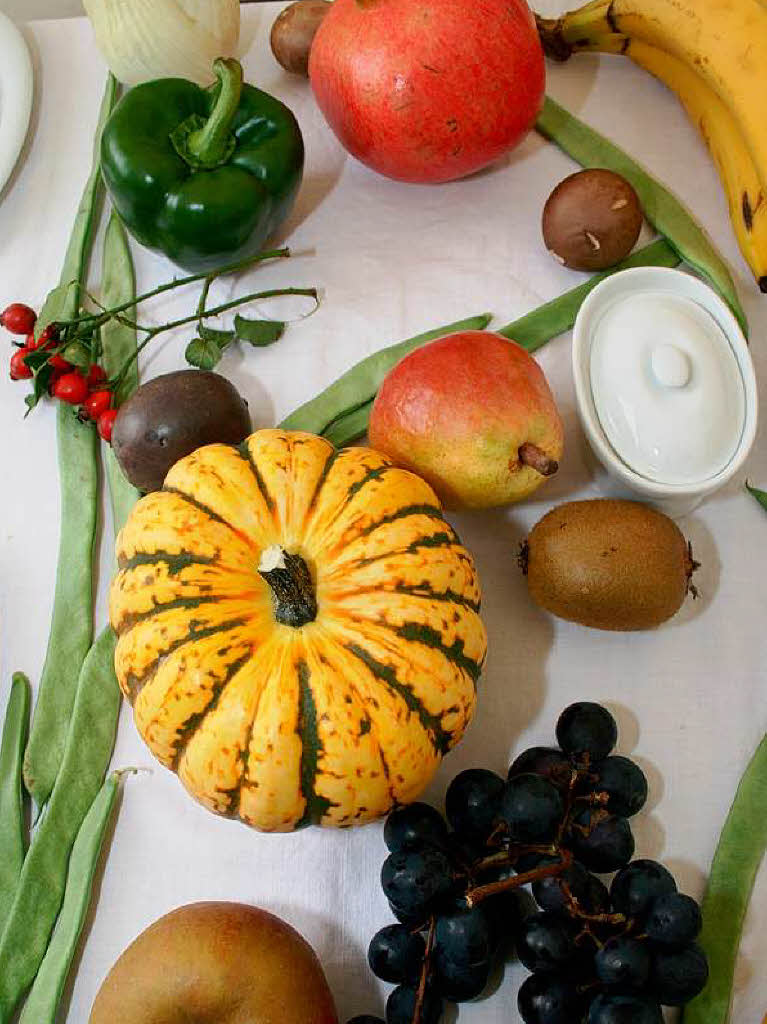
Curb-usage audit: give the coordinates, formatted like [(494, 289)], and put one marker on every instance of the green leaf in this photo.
[(78, 355), (258, 332), (203, 354), (761, 496), (221, 338), (40, 384), (37, 360), (58, 303)]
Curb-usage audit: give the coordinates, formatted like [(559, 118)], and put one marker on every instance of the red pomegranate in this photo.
[(428, 90)]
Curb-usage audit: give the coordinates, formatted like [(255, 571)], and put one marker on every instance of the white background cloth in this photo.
[(392, 260)]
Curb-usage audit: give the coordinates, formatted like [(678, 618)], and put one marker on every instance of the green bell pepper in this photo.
[(202, 175)]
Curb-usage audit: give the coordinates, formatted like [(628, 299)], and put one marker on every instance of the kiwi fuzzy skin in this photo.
[(608, 564)]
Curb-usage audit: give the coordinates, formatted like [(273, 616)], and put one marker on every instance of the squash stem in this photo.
[(288, 576)]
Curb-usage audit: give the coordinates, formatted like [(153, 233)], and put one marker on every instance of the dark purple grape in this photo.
[(532, 809), (400, 1005), (546, 942), (602, 841), (415, 879), (549, 893), (504, 914), (586, 732), (414, 825), (638, 885), (464, 934), (610, 1008), (678, 975), (459, 982), (548, 999), (529, 861), (624, 784), (411, 919), (674, 920), (465, 851), (396, 954), (549, 762), (596, 899), (471, 802), (623, 962)]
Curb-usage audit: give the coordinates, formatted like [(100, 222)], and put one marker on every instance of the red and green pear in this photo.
[(473, 414)]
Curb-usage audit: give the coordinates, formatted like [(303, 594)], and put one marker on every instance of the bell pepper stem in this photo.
[(210, 143)]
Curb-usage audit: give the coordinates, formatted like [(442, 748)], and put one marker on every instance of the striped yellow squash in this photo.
[(299, 630)]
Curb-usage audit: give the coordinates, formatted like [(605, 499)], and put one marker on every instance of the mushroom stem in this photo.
[(531, 455)]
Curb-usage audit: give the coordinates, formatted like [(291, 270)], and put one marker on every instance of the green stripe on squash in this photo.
[(431, 724)]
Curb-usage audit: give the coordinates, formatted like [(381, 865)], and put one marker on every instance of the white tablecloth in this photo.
[(392, 260)]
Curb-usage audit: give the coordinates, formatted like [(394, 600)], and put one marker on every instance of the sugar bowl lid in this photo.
[(666, 386)]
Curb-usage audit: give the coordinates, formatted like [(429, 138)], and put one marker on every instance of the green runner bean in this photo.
[(42, 1002), (738, 854), (43, 877), (71, 629), (553, 318), (662, 209), (359, 384), (349, 427), (531, 331), (12, 828), (118, 285)]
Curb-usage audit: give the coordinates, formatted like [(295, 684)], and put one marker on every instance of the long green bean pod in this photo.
[(359, 384), (118, 285), (661, 208), (12, 829), (531, 331), (534, 329), (42, 1002), (741, 847), (71, 629), (40, 890)]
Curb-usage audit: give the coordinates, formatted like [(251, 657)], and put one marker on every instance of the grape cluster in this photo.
[(598, 955)]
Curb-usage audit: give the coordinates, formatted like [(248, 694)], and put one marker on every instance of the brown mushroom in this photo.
[(591, 220), (293, 32)]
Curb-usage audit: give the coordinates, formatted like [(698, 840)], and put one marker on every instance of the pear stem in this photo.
[(533, 456)]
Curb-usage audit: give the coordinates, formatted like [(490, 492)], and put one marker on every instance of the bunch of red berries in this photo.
[(78, 386)]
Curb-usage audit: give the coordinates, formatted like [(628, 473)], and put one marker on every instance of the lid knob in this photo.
[(670, 366)]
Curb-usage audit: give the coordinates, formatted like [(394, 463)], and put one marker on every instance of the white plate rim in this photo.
[(16, 81)]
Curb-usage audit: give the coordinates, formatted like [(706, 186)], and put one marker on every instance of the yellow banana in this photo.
[(724, 41), (721, 133)]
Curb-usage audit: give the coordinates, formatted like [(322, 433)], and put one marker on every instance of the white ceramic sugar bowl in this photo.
[(664, 385)]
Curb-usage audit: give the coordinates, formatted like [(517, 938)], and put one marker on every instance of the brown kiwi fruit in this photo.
[(608, 564)]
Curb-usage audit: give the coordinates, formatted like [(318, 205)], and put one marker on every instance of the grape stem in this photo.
[(483, 892), (510, 855), (421, 992), (575, 909)]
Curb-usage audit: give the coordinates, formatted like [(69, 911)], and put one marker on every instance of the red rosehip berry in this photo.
[(96, 376), (18, 318), (96, 403), (19, 369), (45, 339), (59, 364), (71, 388), (105, 423)]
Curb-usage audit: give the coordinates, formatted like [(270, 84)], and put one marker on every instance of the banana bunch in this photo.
[(713, 55)]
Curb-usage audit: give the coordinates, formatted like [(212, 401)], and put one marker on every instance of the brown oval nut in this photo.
[(591, 220), (293, 32)]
